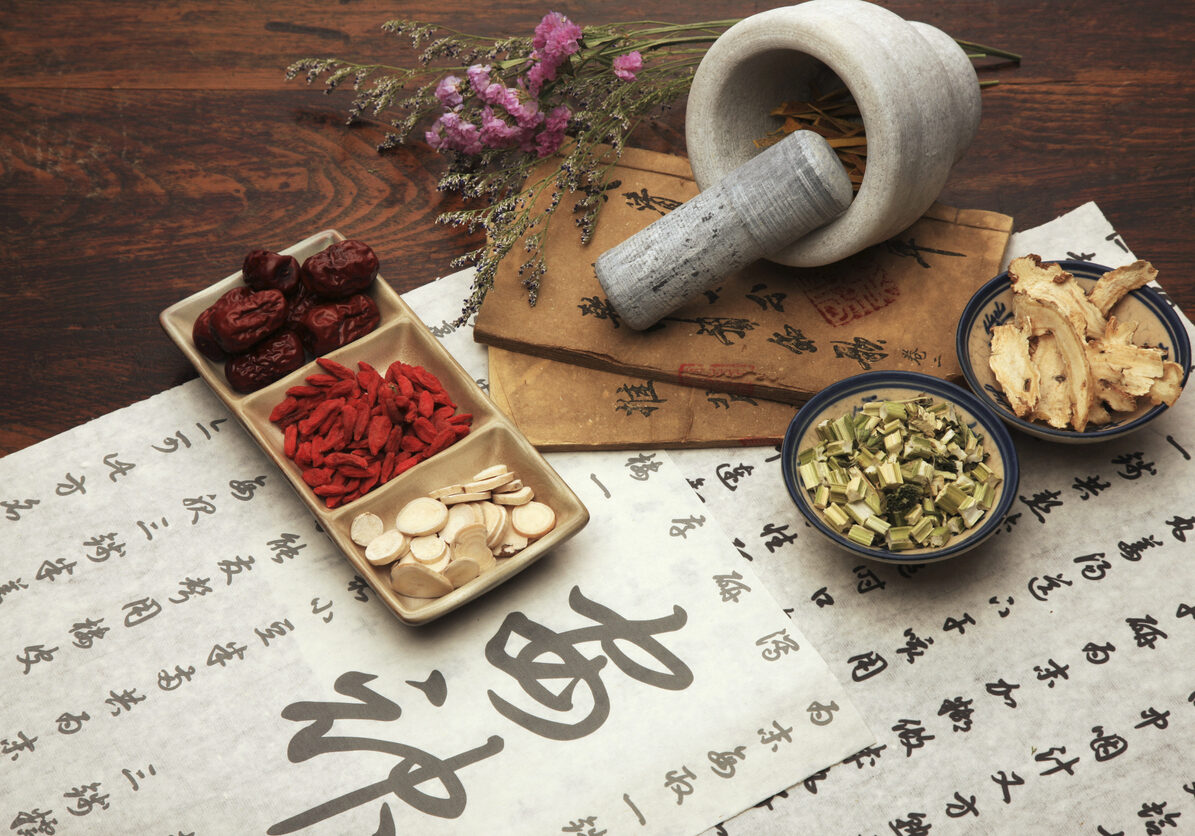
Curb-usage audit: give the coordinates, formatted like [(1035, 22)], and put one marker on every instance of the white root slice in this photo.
[(470, 544), (533, 519), (512, 543), (461, 570), (492, 470), (447, 490), (497, 517), (418, 581), (428, 548), (365, 527), (468, 496), (439, 566), (520, 497), (459, 516), (510, 487), (421, 516), (388, 546), (491, 483)]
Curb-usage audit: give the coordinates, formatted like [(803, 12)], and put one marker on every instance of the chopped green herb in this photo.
[(912, 472)]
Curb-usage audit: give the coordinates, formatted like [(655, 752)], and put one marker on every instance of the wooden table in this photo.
[(144, 148)]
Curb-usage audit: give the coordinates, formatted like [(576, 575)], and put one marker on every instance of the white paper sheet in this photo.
[(1043, 683), (187, 653)]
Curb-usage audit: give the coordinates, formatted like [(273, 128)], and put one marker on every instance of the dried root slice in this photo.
[(429, 548), (520, 497), (1115, 284), (1049, 283), (1166, 388), (497, 518), (418, 581), (1074, 376), (492, 470), (471, 544), (387, 547), (438, 566), (510, 487), (365, 527), (421, 516), (1013, 367), (462, 570), (459, 516), (512, 544), (469, 496), (490, 483), (533, 519), (1054, 406), (1086, 362), (447, 490)]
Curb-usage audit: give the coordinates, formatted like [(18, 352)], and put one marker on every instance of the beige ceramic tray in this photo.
[(494, 439)]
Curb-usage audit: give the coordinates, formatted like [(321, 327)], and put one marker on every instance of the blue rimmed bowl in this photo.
[(848, 397), (1158, 326)]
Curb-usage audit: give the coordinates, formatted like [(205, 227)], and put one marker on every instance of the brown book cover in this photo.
[(768, 331)]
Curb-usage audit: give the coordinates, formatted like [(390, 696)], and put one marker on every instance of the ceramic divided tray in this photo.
[(493, 439)]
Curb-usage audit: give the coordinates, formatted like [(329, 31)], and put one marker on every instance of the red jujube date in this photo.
[(269, 360), (265, 270), (330, 325), (201, 335), (340, 270), (242, 317)]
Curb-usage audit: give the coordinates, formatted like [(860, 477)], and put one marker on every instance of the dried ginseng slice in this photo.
[(386, 547), (520, 497), (492, 470), (459, 516), (533, 519), (429, 548), (471, 544), (439, 566), (497, 518), (422, 516), (447, 490), (365, 527), (491, 483), (470, 496), (418, 581), (461, 570)]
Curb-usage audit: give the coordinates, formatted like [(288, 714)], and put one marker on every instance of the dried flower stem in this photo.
[(520, 99)]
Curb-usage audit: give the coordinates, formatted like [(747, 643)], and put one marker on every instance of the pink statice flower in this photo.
[(497, 133), (454, 133), (625, 66), (479, 77), (549, 139), (556, 38), (448, 92)]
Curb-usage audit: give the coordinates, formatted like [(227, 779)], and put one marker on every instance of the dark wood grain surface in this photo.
[(145, 147)]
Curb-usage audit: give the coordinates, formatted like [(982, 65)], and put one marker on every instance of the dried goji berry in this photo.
[(316, 476), (337, 369), (290, 440), (379, 431), (424, 429)]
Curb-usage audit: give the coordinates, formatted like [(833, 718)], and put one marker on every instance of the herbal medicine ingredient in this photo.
[(899, 474)]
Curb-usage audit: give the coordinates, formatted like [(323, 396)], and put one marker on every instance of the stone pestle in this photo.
[(760, 207)]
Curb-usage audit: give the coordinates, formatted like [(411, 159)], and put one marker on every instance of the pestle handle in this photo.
[(762, 206)]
